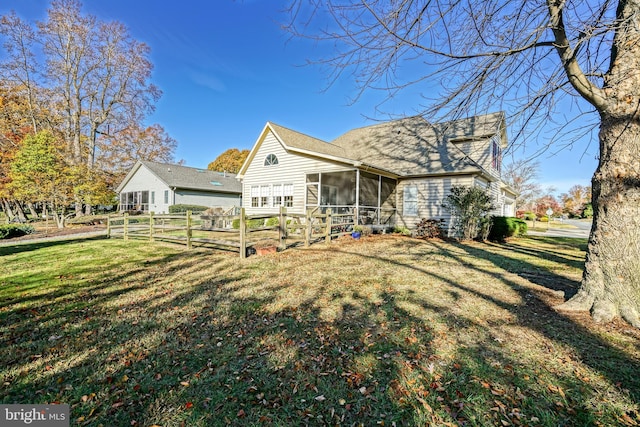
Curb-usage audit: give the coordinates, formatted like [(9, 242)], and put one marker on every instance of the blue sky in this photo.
[(226, 68)]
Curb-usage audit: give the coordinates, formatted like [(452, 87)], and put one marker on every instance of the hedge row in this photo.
[(182, 209), (7, 231), (503, 227)]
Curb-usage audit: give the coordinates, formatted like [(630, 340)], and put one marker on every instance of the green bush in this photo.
[(529, 216), (543, 219), (506, 226), (181, 209), (7, 231), (251, 223), (401, 229), (469, 206), (273, 221)]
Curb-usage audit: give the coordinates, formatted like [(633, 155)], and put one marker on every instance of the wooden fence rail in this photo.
[(239, 233)]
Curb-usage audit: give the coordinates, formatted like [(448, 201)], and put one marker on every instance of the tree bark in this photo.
[(611, 279), (20, 212), (6, 206), (32, 210)]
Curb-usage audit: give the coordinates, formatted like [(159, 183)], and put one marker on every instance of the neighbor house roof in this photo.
[(188, 178), (407, 147)]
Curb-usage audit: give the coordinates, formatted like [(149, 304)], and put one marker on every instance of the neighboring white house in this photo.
[(153, 187), (393, 173)]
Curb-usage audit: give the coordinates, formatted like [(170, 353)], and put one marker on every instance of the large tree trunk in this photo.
[(20, 212), (6, 206), (611, 279)]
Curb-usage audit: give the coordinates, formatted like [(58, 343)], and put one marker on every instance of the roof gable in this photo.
[(292, 140), (188, 178), (407, 147)]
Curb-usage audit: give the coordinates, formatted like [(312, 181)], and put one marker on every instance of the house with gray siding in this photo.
[(153, 187), (392, 173)]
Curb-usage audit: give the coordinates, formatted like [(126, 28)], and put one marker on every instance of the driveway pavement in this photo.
[(581, 230)]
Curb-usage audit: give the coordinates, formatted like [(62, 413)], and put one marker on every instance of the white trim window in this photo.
[(496, 153), (271, 160), (283, 195), (255, 196), (277, 195), (287, 192), (265, 196), (410, 200)]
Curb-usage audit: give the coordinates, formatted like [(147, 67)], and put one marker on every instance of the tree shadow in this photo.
[(202, 339)]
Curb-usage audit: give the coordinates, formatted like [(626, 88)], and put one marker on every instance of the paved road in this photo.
[(582, 230)]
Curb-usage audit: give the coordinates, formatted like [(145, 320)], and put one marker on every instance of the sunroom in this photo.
[(370, 199)]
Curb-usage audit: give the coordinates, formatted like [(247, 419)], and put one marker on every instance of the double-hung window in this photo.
[(277, 195), (496, 153), (265, 195), (255, 196), (410, 200), (287, 193)]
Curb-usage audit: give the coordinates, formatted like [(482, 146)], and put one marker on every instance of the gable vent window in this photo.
[(271, 160)]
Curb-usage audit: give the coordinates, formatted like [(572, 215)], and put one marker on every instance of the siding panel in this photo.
[(291, 169), (144, 180), (431, 195)]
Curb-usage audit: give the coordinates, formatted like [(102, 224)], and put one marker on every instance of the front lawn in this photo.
[(381, 331)]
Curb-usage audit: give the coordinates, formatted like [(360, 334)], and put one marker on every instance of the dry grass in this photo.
[(385, 330)]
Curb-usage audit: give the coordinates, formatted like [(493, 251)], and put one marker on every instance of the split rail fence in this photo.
[(240, 233)]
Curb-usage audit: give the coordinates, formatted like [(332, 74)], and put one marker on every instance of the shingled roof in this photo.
[(407, 147), (189, 178)]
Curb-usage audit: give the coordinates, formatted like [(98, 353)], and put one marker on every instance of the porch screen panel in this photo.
[(312, 194), (368, 189), (388, 193)]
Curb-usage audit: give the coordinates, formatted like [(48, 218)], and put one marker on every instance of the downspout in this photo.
[(357, 213), (379, 210)]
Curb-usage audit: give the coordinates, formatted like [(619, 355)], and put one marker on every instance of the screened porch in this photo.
[(370, 198)]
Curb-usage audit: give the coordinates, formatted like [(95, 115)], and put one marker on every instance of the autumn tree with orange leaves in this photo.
[(87, 81)]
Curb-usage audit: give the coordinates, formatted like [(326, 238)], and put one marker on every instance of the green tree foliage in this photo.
[(40, 174), (469, 207), (229, 161), (88, 81), (575, 200)]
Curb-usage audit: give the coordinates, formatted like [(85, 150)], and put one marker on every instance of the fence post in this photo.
[(189, 230), (125, 227), (151, 224), (243, 237), (282, 228), (108, 226), (307, 234), (327, 237)]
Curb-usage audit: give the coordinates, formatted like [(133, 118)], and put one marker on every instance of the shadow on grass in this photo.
[(8, 248), (380, 335)]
